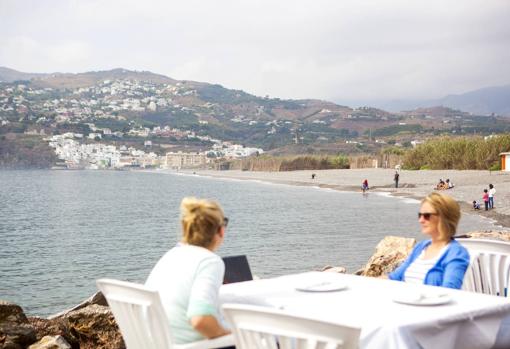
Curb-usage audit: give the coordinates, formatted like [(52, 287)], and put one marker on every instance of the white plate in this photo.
[(325, 286), (417, 298)]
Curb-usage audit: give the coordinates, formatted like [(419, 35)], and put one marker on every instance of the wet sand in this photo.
[(469, 185)]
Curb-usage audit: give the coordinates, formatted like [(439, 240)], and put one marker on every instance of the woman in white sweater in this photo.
[(188, 277)]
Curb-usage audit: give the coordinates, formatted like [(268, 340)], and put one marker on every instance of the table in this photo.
[(470, 320)]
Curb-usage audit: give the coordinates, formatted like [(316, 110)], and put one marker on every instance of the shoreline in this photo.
[(416, 185)]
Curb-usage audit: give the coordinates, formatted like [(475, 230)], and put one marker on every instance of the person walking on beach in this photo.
[(486, 199), (492, 191), (395, 178)]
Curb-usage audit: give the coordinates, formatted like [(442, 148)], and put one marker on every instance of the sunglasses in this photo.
[(225, 221), (426, 215)]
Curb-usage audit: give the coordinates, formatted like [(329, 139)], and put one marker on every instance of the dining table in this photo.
[(390, 314)]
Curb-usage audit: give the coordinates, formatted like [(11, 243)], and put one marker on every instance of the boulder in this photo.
[(94, 327), (15, 331), (53, 327), (389, 254), (96, 298), (90, 327), (10, 312), (51, 342)]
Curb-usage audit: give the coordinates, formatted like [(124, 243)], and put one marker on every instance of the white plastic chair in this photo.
[(488, 273), (489, 268), (265, 328), (142, 320)]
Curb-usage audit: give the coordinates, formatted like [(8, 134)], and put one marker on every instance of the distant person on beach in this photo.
[(313, 175), (364, 185), (476, 205), (449, 184), (188, 277), (395, 178), (492, 191), (485, 198), (440, 260)]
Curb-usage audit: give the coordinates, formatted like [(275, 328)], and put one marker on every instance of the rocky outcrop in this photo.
[(15, 330), (89, 327), (389, 254)]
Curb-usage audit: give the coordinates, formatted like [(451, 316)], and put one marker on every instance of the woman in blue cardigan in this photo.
[(440, 260)]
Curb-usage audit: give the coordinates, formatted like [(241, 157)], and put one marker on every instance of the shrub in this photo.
[(464, 153)]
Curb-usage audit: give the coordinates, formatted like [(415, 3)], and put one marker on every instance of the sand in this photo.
[(469, 185)]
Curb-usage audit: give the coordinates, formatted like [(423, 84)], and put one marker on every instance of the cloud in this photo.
[(325, 49)]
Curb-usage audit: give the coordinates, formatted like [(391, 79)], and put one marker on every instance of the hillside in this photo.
[(485, 101), (67, 80), (11, 75), (120, 106)]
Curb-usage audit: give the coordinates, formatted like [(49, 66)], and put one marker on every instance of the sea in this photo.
[(62, 230)]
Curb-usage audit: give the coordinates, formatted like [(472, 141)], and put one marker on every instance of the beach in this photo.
[(469, 185)]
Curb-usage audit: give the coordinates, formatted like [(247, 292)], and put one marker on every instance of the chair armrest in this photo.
[(219, 342)]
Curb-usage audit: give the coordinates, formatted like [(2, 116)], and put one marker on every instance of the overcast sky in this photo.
[(341, 50)]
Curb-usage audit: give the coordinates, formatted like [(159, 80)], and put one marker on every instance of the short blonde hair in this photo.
[(201, 219), (448, 211)]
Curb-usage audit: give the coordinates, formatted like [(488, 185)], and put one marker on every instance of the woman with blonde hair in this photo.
[(188, 277), (440, 260)]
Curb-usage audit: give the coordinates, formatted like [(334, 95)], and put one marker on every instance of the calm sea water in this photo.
[(62, 230)]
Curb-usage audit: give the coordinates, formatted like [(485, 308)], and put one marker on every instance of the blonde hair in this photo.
[(448, 211), (201, 219)]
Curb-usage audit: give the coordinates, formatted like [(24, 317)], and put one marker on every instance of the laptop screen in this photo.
[(237, 269)]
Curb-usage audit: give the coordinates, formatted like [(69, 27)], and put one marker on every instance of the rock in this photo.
[(53, 327), (96, 298), (94, 327), (10, 312), (86, 328), (489, 234), (389, 254), (331, 269), (16, 336), (15, 331), (51, 342)]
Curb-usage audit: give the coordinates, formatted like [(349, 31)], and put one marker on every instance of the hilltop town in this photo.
[(121, 119)]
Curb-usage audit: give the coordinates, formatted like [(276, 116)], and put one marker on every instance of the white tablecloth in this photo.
[(470, 321)]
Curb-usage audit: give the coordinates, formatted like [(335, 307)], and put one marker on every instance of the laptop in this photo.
[(237, 269)]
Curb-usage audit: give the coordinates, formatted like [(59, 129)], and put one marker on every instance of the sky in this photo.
[(341, 50)]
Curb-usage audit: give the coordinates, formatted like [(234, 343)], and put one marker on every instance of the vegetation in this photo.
[(289, 163), (465, 153), (18, 151)]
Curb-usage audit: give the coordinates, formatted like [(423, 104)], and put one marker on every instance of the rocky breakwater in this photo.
[(88, 325), (91, 324)]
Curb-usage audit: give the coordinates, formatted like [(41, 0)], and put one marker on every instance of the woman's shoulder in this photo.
[(457, 250)]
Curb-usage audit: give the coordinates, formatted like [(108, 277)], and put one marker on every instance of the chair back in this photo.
[(488, 273), (485, 245), (139, 313), (489, 267), (266, 328)]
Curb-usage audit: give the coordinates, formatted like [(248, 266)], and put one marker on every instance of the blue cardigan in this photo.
[(448, 271)]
